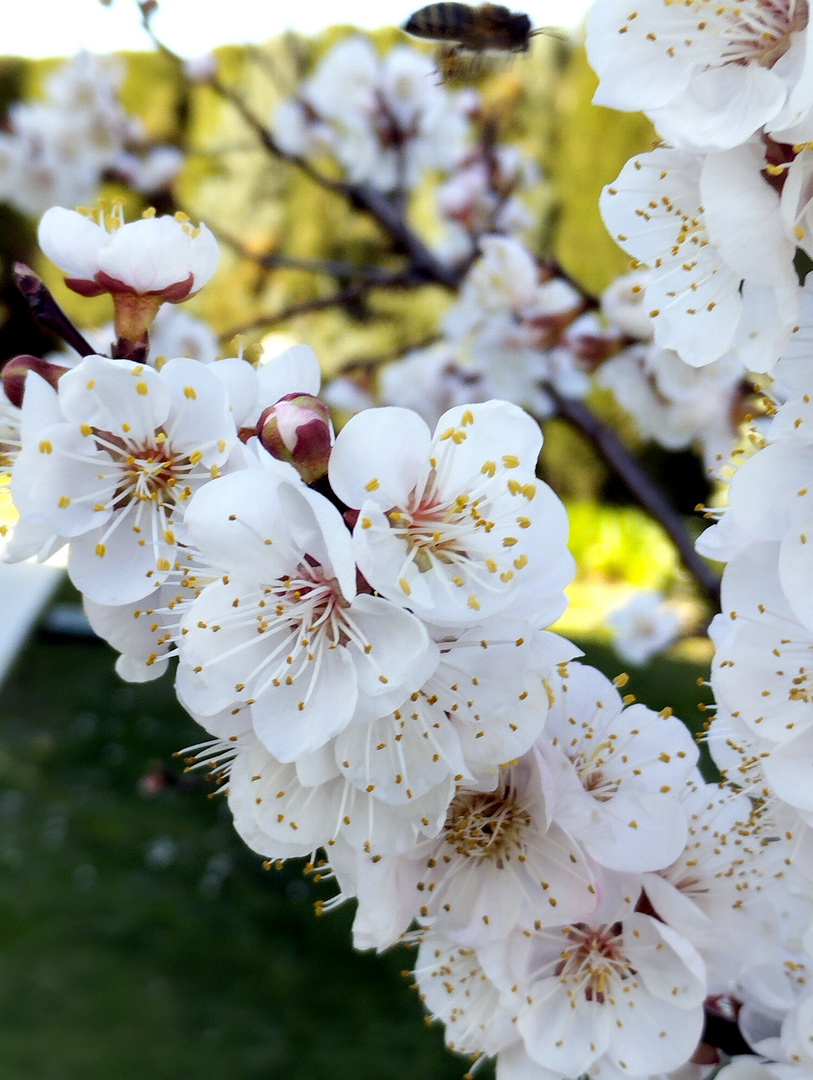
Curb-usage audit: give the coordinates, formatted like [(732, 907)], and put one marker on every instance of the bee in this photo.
[(467, 33), (476, 29)]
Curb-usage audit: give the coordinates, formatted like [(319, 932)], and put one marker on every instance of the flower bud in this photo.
[(298, 430), (17, 368)]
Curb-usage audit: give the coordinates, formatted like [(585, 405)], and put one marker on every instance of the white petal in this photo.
[(380, 454), (72, 241)]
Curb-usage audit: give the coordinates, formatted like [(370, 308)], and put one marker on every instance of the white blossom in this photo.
[(708, 75), (453, 526), (284, 634), (643, 626), (167, 256), (613, 775), (110, 460), (457, 986), (499, 864), (720, 260), (619, 988)]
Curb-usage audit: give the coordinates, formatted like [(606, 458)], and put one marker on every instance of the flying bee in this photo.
[(467, 33), (489, 26)]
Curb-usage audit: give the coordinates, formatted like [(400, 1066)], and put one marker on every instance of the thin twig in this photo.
[(337, 268), (371, 363), (349, 295), (391, 219)]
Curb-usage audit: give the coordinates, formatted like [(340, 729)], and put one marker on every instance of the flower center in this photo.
[(435, 529), (760, 31), (313, 603), (486, 825), (149, 474), (594, 959), (689, 884), (589, 768)]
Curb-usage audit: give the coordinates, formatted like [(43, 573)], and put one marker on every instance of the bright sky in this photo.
[(192, 27)]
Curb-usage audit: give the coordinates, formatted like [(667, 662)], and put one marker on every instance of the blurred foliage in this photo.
[(593, 144), (618, 551), (621, 543)]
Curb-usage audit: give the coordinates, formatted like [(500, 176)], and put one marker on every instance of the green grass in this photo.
[(139, 938)]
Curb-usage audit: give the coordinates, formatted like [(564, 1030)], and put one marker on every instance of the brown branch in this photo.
[(391, 219), (387, 212), (336, 268), (46, 310), (349, 295), (642, 488)]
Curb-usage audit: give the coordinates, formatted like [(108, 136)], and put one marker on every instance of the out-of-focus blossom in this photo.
[(623, 304), (643, 627), (480, 198), (151, 172), (384, 119), (57, 151)]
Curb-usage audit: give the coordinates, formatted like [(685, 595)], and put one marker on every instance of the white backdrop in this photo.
[(191, 27)]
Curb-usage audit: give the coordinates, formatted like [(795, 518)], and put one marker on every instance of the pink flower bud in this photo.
[(298, 430), (17, 368)]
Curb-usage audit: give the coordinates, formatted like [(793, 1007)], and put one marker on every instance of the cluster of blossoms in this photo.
[(514, 330), (360, 623), (518, 330), (388, 121), (671, 402), (717, 218), (385, 120), (58, 150), (482, 195)]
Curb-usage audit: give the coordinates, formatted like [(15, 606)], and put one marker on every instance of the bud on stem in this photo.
[(298, 430), (15, 371)]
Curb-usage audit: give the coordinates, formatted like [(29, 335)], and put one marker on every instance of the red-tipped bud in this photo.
[(298, 430), (18, 367)]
